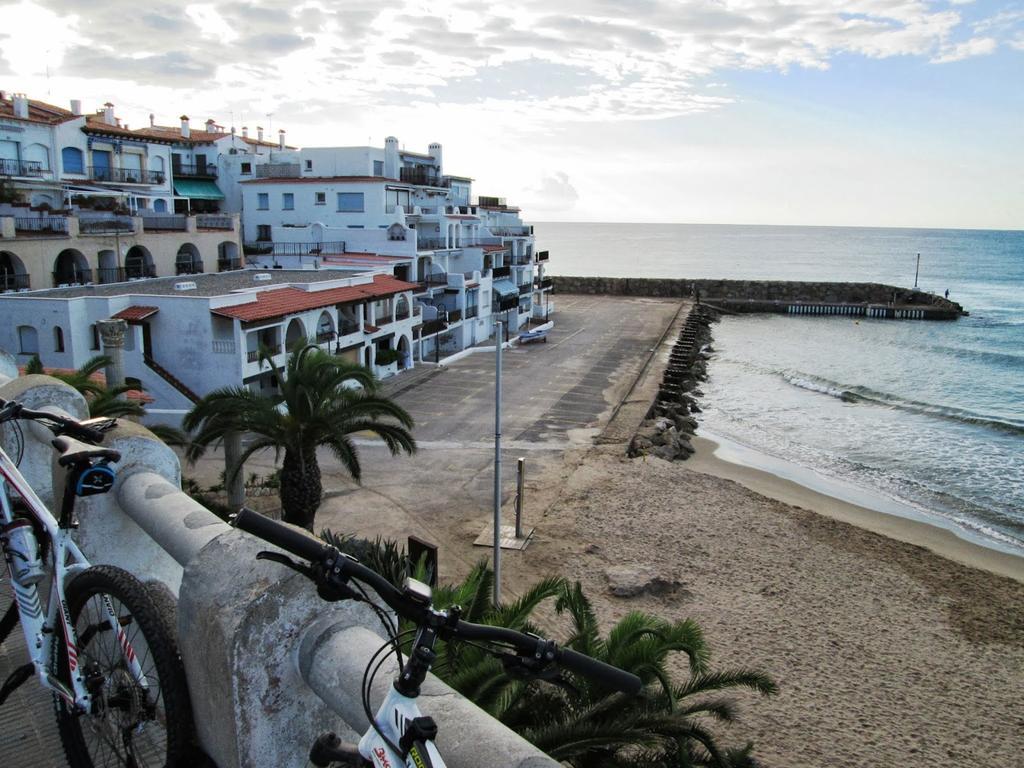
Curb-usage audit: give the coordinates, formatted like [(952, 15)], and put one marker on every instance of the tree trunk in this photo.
[(300, 488)]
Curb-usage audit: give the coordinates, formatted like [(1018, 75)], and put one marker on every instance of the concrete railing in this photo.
[(269, 665)]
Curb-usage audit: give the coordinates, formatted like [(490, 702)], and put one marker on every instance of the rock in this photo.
[(631, 581), (591, 549), (662, 424)]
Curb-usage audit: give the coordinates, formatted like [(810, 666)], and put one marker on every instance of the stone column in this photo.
[(112, 338)]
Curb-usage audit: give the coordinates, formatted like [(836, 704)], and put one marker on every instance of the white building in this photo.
[(190, 336)]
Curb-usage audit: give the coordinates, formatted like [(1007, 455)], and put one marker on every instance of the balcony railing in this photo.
[(453, 315), (544, 282), (252, 355), (227, 265), (105, 225), (125, 175), (110, 275), (13, 282), (72, 277), (223, 346), (325, 336), (499, 272), (40, 225), (139, 271), (522, 231), (214, 222), (525, 288), (348, 327), (430, 243), (20, 167), (507, 302), (169, 223), (188, 268), (431, 327), (267, 248), (473, 311), (201, 170), (423, 176)]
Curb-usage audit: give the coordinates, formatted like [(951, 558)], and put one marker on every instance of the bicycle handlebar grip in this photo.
[(606, 674), (284, 536)]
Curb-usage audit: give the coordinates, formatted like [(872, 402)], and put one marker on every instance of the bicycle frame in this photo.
[(394, 714), (65, 561)]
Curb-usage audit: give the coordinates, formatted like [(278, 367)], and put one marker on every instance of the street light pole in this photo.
[(497, 466)]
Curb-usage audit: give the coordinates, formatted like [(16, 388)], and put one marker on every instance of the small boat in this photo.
[(525, 337)]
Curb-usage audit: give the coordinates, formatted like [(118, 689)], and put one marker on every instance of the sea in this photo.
[(919, 418)]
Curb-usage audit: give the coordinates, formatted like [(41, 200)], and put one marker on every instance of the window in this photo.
[(355, 226), (246, 169), (309, 165), (263, 201), (263, 233), (398, 197), (58, 339), (288, 201), (71, 159), (321, 198), (28, 340), (95, 336), (350, 202), (378, 167)]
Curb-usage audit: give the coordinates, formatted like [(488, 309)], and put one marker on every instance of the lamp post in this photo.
[(497, 465)]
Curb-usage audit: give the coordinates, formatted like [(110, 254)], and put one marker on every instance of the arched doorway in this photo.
[(325, 329), (227, 256), (138, 262), (296, 334), (188, 261), (109, 271), (401, 308), (13, 276), (404, 350), (71, 268)]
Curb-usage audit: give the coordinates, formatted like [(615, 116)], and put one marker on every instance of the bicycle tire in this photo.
[(125, 728)]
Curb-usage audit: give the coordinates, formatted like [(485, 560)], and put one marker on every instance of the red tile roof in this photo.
[(277, 302), (135, 313), (493, 248), (38, 112)]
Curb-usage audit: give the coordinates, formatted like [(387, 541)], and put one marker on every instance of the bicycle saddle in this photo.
[(74, 451)]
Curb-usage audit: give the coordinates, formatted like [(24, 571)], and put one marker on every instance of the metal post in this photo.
[(520, 481), (497, 468), (917, 269)]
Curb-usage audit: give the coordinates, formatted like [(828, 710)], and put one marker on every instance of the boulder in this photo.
[(631, 581)]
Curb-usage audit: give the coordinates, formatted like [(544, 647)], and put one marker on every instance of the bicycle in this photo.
[(104, 643), (399, 734)]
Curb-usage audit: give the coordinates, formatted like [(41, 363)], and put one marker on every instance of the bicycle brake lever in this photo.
[(528, 668), (277, 557)]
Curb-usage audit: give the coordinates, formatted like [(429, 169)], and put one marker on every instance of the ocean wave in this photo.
[(982, 355), (859, 394)]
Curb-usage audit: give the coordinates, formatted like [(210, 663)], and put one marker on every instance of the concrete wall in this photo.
[(755, 295), (269, 665)]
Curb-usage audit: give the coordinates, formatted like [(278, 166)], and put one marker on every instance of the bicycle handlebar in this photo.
[(61, 425), (306, 547)]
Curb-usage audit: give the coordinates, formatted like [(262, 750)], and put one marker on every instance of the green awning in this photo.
[(197, 189)]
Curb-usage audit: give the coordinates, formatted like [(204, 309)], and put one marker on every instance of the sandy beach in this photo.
[(886, 653)]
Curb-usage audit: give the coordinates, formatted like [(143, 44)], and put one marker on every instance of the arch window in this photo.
[(28, 340), (72, 160), (58, 339)]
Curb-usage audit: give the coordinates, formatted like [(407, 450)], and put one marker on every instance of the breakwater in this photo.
[(777, 296)]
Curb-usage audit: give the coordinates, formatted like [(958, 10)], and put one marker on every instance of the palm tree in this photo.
[(587, 725), (323, 401)]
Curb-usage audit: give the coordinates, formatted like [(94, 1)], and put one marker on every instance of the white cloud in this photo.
[(554, 194), (976, 46)]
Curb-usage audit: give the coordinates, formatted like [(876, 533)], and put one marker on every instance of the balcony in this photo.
[(424, 176), (188, 268), (347, 327), (544, 282), (21, 168), (194, 170), (525, 288), (228, 265), (105, 225), (169, 223), (106, 275), (522, 231), (214, 222), (40, 226), (72, 277), (473, 311), (268, 248), (499, 272), (125, 175), (252, 355), (453, 315), (12, 282), (431, 327), (430, 244), (542, 255), (323, 337), (506, 302)]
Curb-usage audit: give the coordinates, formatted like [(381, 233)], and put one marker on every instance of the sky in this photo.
[(852, 112)]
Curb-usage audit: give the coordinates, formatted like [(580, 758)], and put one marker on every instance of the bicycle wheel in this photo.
[(131, 725)]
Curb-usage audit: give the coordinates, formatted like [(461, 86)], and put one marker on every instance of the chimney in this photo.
[(259, 133), (108, 114), (434, 150), (280, 139), (245, 131), (76, 106), (19, 104), (391, 157), (186, 132), (152, 120), (210, 125)]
